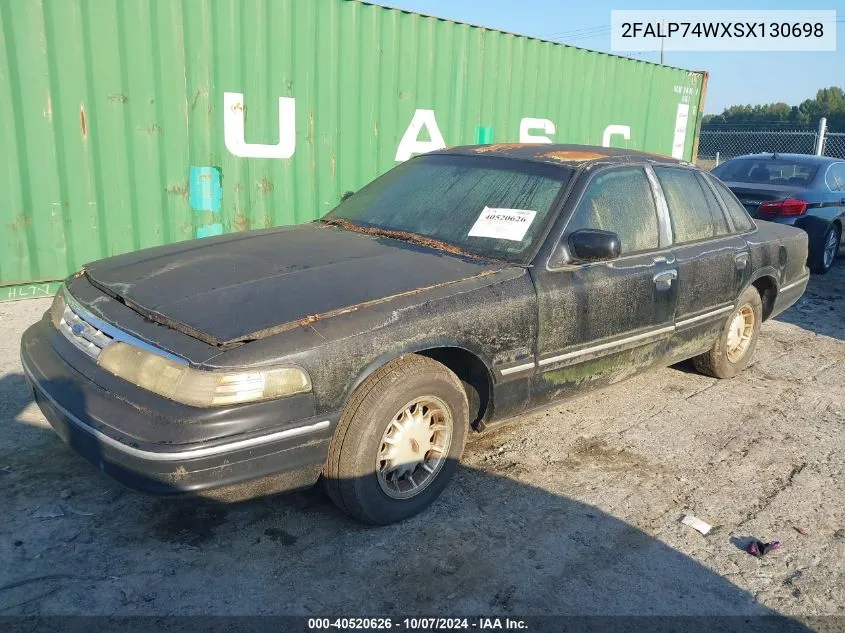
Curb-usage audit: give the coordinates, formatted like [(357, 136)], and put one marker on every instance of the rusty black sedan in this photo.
[(459, 290)]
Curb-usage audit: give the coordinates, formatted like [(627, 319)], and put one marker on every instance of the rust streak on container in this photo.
[(82, 122)]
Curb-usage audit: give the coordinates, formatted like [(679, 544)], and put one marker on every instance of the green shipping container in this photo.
[(132, 123)]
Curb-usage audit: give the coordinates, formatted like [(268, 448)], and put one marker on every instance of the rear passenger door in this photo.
[(711, 259)]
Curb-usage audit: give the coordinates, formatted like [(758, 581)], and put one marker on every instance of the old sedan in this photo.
[(460, 289)]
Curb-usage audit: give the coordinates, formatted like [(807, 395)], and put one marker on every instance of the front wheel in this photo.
[(398, 441), (822, 260), (732, 352)]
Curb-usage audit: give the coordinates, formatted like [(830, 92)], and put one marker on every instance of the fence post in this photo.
[(820, 137), (717, 159)]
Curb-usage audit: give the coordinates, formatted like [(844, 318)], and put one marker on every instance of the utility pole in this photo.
[(662, 23)]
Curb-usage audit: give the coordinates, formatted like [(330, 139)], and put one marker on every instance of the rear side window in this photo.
[(835, 177), (742, 221), (694, 215), (767, 171), (620, 200)]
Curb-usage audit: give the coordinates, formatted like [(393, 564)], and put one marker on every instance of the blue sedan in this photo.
[(797, 189)]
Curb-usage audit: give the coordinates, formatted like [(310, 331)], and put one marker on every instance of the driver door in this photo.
[(603, 321)]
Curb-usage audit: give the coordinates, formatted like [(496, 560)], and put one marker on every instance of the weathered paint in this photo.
[(570, 330), (291, 102)]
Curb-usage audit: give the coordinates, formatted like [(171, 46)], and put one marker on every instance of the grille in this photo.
[(82, 334)]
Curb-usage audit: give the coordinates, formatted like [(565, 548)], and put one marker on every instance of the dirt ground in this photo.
[(574, 509)]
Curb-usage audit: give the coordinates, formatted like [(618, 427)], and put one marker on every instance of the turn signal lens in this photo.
[(197, 387), (789, 207), (57, 308)]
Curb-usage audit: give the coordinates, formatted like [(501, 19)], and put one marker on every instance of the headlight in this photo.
[(57, 308), (197, 387)]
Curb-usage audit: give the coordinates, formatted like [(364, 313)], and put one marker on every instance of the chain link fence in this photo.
[(834, 144), (716, 145)]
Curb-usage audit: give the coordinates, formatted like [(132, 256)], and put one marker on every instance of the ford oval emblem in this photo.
[(77, 329)]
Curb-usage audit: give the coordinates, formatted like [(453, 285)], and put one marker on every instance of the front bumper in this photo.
[(156, 445)]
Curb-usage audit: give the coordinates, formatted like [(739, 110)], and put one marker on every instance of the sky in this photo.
[(735, 77)]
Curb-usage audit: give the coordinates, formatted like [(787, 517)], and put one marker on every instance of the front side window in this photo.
[(620, 200), (694, 215), (489, 206)]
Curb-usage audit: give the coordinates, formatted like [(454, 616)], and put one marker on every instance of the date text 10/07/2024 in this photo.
[(417, 624)]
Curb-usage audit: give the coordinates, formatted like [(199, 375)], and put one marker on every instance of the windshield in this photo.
[(483, 205), (766, 171)]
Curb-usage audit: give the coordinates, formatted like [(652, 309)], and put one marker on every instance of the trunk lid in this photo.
[(752, 195)]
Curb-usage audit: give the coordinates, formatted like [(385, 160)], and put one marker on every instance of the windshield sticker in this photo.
[(502, 224)]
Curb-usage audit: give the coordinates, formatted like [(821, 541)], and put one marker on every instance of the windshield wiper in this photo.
[(404, 236)]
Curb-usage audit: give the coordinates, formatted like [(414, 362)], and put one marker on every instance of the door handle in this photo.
[(661, 259), (741, 261), (663, 280)]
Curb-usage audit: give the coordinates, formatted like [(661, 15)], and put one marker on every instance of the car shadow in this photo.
[(819, 309), (490, 545)]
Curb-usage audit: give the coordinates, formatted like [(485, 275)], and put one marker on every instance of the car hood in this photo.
[(242, 287)]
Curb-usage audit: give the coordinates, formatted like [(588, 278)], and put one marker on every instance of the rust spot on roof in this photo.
[(565, 157), (481, 149)]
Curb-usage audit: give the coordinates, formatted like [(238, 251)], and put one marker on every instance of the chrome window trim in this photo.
[(574, 206), (826, 183)]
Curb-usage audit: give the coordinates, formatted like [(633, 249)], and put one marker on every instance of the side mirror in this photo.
[(346, 195), (592, 245)]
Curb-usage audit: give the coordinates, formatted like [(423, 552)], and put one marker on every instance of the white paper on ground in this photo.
[(696, 524), (503, 224)]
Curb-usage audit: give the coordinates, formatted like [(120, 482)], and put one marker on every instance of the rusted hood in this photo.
[(241, 287)]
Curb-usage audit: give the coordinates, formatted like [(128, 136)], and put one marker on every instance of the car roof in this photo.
[(809, 159), (559, 154)]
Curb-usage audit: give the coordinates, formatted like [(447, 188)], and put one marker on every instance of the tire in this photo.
[(724, 360), (817, 262), (376, 413)]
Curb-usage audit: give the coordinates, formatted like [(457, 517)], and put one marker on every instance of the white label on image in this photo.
[(502, 224), (681, 118)]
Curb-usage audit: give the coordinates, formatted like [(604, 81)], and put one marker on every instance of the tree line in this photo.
[(828, 102)]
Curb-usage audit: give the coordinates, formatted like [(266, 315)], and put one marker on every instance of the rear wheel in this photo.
[(822, 260), (398, 441), (732, 352)]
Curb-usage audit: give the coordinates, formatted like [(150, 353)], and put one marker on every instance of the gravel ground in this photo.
[(574, 509)]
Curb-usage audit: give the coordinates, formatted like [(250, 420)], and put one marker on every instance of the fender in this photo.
[(769, 272), (765, 271), (419, 346)]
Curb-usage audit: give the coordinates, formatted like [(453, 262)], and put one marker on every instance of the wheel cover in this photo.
[(831, 248), (739, 333), (414, 447)]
